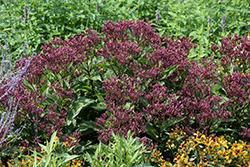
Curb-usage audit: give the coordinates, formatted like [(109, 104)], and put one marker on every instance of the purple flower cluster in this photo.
[(192, 83), (223, 22), (58, 57), (157, 17), (234, 50), (122, 119), (25, 15), (209, 21), (141, 92), (9, 80), (235, 56), (188, 91)]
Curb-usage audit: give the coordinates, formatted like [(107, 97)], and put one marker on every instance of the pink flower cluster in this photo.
[(142, 56), (141, 92), (43, 115)]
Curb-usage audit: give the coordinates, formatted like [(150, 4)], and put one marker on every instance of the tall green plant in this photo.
[(120, 152)]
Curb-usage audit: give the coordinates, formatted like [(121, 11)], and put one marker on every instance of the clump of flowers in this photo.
[(25, 15), (148, 88), (55, 152), (223, 22), (235, 80), (176, 137), (54, 70), (10, 78), (234, 53), (200, 150)]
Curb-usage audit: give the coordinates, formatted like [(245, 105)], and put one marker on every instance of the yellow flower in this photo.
[(22, 148), (28, 156), (42, 151), (72, 138), (66, 144), (39, 158), (56, 138)]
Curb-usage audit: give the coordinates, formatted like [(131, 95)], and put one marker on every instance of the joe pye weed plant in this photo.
[(126, 78)]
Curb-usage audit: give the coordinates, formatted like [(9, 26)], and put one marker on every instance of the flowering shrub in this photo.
[(201, 150), (155, 83), (171, 148), (235, 82), (46, 94), (144, 82)]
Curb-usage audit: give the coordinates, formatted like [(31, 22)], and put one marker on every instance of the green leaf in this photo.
[(222, 91), (224, 130), (96, 78), (43, 147), (144, 101), (78, 106), (66, 158), (168, 71), (152, 132), (28, 85), (172, 123), (99, 106), (51, 148), (109, 74), (162, 32), (142, 165), (87, 127)]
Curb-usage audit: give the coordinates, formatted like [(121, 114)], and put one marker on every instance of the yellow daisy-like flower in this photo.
[(42, 151), (38, 158), (72, 138), (66, 144), (28, 156), (22, 148)]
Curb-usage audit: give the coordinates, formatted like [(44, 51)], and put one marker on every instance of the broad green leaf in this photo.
[(99, 106), (78, 106), (168, 71), (173, 122)]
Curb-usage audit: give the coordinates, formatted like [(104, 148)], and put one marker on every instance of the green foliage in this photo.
[(120, 152), (159, 132), (56, 18), (50, 156), (64, 18)]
